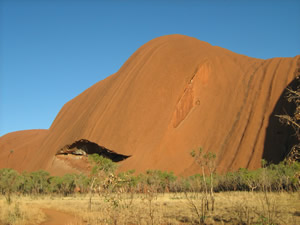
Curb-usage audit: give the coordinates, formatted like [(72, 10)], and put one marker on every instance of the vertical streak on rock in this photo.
[(238, 115), (266, 107)]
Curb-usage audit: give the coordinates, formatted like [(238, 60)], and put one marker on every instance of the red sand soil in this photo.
[(174, 94), (55, 217)]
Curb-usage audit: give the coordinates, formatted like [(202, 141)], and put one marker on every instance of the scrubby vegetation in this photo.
[(280, 177), (120, 194)]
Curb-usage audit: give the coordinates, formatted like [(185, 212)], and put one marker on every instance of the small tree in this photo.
[(103, 168), (207, 163), (9, 183), (55, 184), (82, 182), (210, 161), (39, 180), (248, 179), (67, 184)]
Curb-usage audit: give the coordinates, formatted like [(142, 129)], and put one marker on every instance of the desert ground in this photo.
[(169, 208)]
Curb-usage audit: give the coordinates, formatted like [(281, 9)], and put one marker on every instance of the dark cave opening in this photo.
[(84, 147)]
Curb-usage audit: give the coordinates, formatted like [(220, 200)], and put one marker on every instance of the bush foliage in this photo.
[(281, 177)]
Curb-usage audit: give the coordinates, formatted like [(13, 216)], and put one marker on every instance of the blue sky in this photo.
[(51, 51)]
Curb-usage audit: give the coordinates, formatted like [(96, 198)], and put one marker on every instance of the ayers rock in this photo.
[(174, 94)]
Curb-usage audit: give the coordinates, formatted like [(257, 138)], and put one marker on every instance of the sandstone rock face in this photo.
[(19, 149), (174, 94)]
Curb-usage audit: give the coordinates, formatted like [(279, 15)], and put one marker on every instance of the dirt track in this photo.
[(55, 217)]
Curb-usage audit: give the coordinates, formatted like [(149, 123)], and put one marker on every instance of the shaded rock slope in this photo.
[(174, 94)]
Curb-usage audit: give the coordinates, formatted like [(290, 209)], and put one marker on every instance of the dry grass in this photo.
[(20, 212), (257, 208), (230, 208)]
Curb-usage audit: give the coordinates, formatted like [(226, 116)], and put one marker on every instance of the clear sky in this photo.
[(51, 51)]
